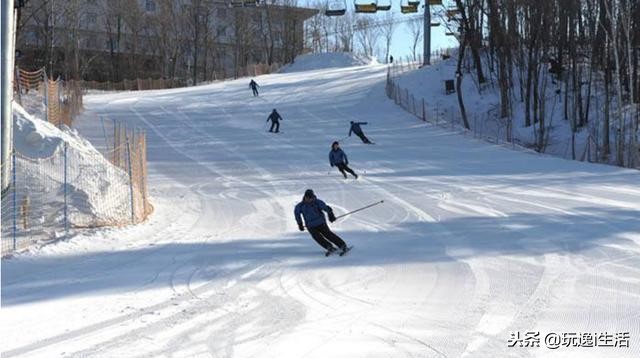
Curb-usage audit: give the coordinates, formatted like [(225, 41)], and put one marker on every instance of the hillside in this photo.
[(474, 241)]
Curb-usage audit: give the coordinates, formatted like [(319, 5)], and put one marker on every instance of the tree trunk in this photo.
[(463, 112)]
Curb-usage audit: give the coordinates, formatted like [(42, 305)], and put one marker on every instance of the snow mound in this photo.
[(318, 61), (97, 191)]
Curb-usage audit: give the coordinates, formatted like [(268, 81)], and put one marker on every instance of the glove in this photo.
[(300, 227), (332, 217)]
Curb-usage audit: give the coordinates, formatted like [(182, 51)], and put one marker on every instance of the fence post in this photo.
[(15, 200), (104, 133), (415, 111), (406, 92), (513, 140), (115, 143), (133, 220), (46, 97), (18, 83), (66, 217), (143, 180), (395, 92), (59, 102), (413, 106), (475, 119), (451, 118)]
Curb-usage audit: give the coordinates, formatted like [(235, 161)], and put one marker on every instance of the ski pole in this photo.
[(351, 212), (362, 208)]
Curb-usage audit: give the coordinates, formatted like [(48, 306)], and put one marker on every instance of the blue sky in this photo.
[(400, 46)]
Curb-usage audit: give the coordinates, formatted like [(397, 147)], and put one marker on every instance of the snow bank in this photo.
[(483, 109), (318, 61), (97, 191)]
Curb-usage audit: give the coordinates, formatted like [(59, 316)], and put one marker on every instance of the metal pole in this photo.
[(104, 132), (66, 205), (426, 45), (362, 208), (46, 97), (15, 206), (133, 217), (16, 78), (8, 53)]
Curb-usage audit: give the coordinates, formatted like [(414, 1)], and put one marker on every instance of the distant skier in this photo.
[(339, 159), (355, 128), (254, 87), (275, 119), (311, 209)]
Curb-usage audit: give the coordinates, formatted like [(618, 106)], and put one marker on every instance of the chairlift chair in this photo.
[(244, 3), (336, 8), (452, 12), (408, 9), (366, 6), (384, 7)]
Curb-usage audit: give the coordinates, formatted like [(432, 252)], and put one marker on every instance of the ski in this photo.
[(345, 251)]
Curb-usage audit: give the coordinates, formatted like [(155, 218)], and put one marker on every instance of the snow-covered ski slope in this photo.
[(474, 241)]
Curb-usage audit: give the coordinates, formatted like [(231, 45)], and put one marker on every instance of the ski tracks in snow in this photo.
[(447, 267)]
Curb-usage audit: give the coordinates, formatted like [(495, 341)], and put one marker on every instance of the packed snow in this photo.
[(473, 244), (482, 103), (320, 61), (97, 191)]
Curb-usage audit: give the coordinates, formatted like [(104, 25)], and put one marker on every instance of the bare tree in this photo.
[(415, 29), (387, 29), (367, 34), (345, 32)]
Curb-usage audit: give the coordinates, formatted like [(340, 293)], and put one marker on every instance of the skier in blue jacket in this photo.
[(339, 159), (311, 209), (275, 119), (254, 87), (357, 130)]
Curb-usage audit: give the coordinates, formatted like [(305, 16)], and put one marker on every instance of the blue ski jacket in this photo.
[(355, 128), (274, 117), (312, 213), (337, 157)]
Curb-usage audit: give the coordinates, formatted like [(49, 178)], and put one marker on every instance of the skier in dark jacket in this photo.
[(254, 87), (311, 209), (355, 128), (339, 159), (275, 119)]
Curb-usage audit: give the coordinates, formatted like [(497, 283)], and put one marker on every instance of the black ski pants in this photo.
[(363, 138), (344, 168), (255, 91), (325, 237), (276, 125)]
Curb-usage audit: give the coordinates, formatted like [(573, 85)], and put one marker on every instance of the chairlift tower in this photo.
[(8, 53), (426, 44)]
